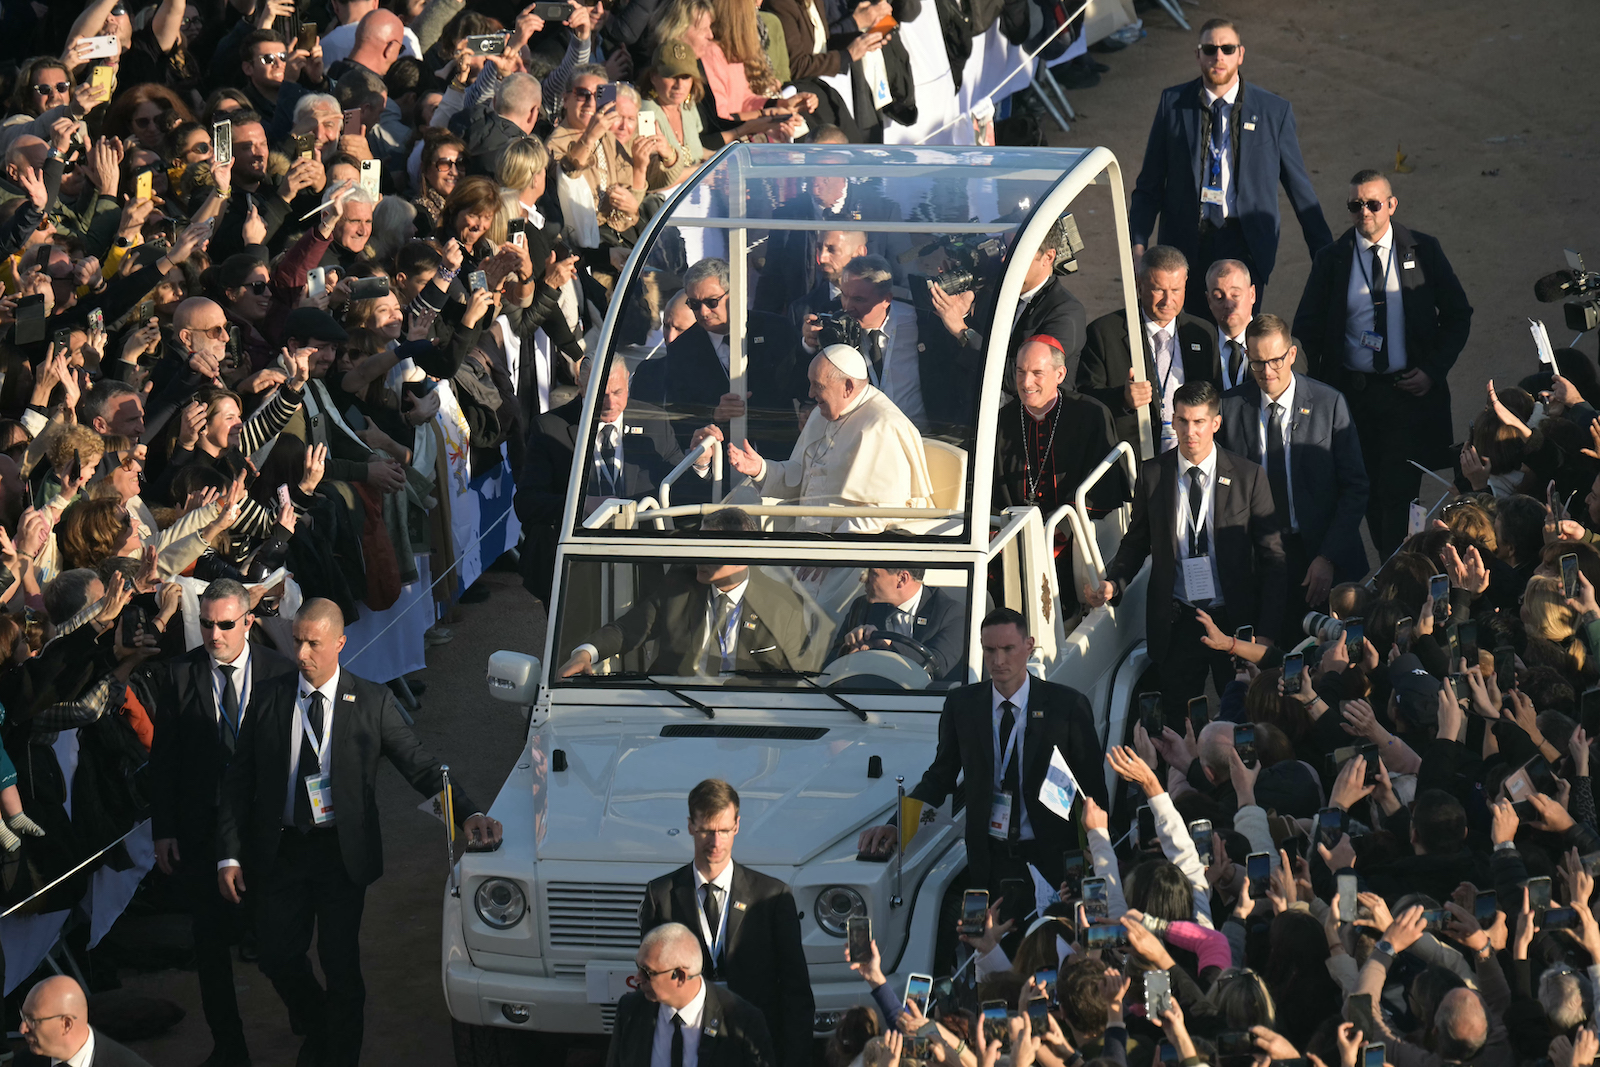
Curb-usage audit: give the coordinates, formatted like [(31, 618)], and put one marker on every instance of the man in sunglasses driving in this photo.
[(1237, 139)]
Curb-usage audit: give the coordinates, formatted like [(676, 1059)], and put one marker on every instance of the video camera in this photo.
[(838, 329), (973, 264), (1577, 287)]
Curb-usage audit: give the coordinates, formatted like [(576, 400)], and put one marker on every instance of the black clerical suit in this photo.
[(939, 623), (1243, 538), (1053, 717), (195, 739), (1394, 425), (302, 873), (732, 1032), (762, 958), (1108, 357)]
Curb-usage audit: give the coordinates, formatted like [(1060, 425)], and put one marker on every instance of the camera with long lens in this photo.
[(1579, 289), (971, 266), (1323, 627), (838, 330)]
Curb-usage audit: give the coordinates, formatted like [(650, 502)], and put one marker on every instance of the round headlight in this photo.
[(836, 905), (500, 903)]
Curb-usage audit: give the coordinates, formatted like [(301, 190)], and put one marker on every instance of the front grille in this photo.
[(608, 1018), (580, 971), (594, 916), (744, 731)]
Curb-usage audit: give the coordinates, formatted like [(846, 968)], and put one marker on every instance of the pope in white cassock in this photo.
[(856, 450)]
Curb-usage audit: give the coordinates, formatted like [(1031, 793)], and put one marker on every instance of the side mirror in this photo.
[(514, 677)]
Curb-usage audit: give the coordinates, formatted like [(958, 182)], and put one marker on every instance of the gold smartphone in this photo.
[(103, 77), (143, 185)]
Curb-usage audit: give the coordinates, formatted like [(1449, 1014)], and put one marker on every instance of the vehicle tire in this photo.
[(494, 1046)]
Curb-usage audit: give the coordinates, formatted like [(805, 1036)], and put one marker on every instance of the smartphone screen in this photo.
[(1046, 976), (1439, 589), (1096, 902), (1244, 739), (1505, 668), (995, 1029), (1435, 918), (1559, 919), (1072, 868), (1038, 1014), (1347, 898), (1294, 666), (1113, 936), (1467, 638), (1355, 631), (974, 906), (1372, 1056), (1157, 993), (1330, 826), (1199, 714), (858, 935), (1150, 713), (1569, 575), (1538, 892), (1484, 905), (918, 988), (1258, 867), (1200, 832)]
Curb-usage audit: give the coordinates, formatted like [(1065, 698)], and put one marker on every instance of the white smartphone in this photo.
[(316, 281), (1347, 898), (106, 47), (283, 496), (370, 171), (647, 124)]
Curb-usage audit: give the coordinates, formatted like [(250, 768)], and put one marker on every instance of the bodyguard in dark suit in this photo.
[(62, 1033), (745, 923), (1299, 431), (677, 1018), (1176, 348), (204, 697), (1205, 520), (1217, 152), (998, 735), (1388, 347), (1045, 307), (833, 203), (896, 602), (299, 818)]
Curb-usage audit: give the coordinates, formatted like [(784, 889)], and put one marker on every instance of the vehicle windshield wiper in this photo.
[(806, 677), (644, 676)]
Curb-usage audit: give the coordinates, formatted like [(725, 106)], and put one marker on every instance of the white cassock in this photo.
[(869, 456)]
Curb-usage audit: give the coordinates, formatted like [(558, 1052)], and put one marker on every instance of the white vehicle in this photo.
[(539, 936)]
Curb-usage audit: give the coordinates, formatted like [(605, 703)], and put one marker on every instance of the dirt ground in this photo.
[(1480, 97)]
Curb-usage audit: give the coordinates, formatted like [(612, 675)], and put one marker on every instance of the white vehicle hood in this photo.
[(623, 794)]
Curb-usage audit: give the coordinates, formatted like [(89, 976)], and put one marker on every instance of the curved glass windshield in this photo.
[(823, 311), (864, 625)]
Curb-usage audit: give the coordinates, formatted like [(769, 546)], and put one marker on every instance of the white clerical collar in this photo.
[(1230, 96), (1055, 398), (1385, 241)]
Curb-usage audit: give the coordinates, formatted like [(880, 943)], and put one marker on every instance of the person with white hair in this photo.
[(675, 1018), (857, 450)]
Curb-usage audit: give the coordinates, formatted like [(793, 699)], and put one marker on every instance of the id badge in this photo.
[(1211, 195), (320, 788), (1000, 816), (1372, 340), (1197, 581)]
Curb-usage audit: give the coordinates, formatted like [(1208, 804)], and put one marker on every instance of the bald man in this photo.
[(298, 825), (55, 1024), (341, 42), (379, 40)]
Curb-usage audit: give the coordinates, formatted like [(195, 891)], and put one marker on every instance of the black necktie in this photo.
[(874, 355), (1235, 363), (723, 607), (608, 460), (1197, 494), (228, 728), (713, 909), (1008, 772), (1380, 311), (677, 1040), (1214, 213), (1277, 467), (309, 765)]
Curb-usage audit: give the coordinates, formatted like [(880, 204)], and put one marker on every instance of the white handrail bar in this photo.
[(1122, 452), (709, 445)]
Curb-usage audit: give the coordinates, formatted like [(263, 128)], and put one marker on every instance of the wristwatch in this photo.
[(970, 338)]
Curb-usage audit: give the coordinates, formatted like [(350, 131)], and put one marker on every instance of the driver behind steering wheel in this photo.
[(896, 602)]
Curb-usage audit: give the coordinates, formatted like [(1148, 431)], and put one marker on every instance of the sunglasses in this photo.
[(46, 89), (258, 288), (1355, 206), (216, 333), (710, 302), (582, 94), (218, 624), (268, 59), (146, 120), (200, 148), (453, 164), (1225, 49)]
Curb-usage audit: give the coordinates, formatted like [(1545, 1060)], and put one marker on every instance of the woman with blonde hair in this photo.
[(524, 166), (726, 39), (1547, 616)]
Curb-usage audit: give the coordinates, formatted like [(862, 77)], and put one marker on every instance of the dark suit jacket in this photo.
[(1265, 152), (187, 761), (1108, 357), (732, 1032), (791, 261), (1054, 312), (689, 380), (1328, 478), (1244, 539), (763, 959), (940, 624), (107, 1053), (366, 726), (1057, 717), (772, 627), (1438, 320)]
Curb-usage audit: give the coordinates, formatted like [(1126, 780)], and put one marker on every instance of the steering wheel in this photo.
[(925, 656)]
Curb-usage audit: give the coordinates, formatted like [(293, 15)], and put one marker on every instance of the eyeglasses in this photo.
[(648, 975), (1212, 49), (710, 303), (33, 1021), (216, 333), (46, 89), (145, 120), (453, 164), (1355, 206), (582, 94), (219, 624), (267, 59), (199, 148), (1267, 364), (258, 288)]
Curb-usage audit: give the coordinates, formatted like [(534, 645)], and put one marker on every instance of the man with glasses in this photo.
[(1217, 151), (206, 695), (263, 57), (1299, 430), (675, 1018), (55, 1024), (1383, 319), (747, 924)]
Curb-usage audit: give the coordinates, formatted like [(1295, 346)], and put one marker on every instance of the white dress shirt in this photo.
[(1163, 341), (1230, 195), (902, 375), (1019, 700), (1358, 302), (302, 703), (85, 1055), (1209, 517), (1223, 341), (724, 884), (692, 1014), (1286, 419), (1024, 300), (909, 607), (240, 683)]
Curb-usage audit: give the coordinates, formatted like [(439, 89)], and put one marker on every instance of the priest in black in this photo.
[(1050, 438)]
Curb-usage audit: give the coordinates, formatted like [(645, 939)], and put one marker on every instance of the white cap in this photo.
[(851, 364)]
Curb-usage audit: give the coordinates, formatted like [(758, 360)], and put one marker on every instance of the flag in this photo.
[(1060, 788), (438, 806), (910, 821)]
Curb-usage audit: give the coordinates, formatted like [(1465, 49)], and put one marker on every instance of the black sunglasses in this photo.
[(1355, 206), (258, 288), (220, 624), (1225, 49), (711, 302), (582, 94), (45, 88)]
